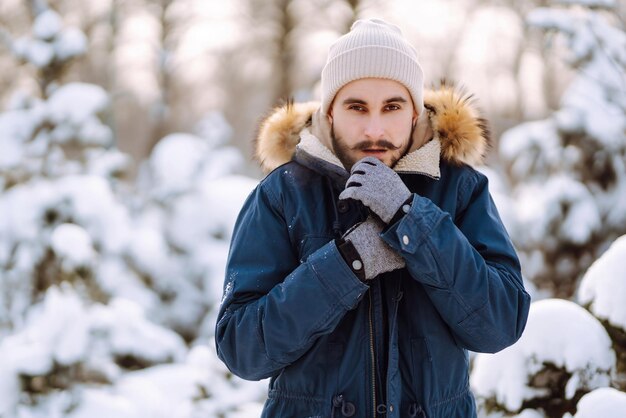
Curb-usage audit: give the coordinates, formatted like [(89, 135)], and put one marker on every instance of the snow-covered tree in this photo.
[(550, 368), (50, 47), (59, 132), (569, 171), (108, 290), (58, 172)]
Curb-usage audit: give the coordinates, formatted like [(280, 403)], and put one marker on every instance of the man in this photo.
[(371, 258)]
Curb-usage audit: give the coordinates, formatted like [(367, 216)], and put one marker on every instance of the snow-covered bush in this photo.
[(57, 230), (68, 351), (569, 171), (603, 402), (563, 354), (603, 291), (192, 197)]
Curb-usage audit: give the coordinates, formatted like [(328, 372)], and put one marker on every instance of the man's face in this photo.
[(372, 117)]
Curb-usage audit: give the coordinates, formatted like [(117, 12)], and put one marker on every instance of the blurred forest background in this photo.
[(126, 135), (167, 64)]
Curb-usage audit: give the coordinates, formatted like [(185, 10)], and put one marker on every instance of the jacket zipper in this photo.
[(373, 356)]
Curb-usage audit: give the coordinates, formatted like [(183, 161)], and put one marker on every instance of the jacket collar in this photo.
[(424, 160), (460, 136)]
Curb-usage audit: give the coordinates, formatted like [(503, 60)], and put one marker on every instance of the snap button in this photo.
[(357, 265), (406, 208), (343, 206), (405, 240), (390, 408)]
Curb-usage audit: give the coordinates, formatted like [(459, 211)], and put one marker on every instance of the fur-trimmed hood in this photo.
[(460, 134)]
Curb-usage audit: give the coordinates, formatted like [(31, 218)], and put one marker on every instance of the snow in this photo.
[(72, 243), (70, 43), (181, 162), (149, 250), (593, 91), (51, 42), (176, 159), (39, 53), (525, 143), (62, 328), (101, 404), (99, 276), (9, 387), (603, 287), (107, 163), (73, 109), (615, 200), (567, 171), (15, 126), (530, 413), (33, 211), (131, 333), (500, 193), (588, 3), (506, 375), (117, 279), (231, 192), (214, 128), (558, 209), (603, 402), (47, 25), (69, 114), (96, 208), (195, 217), (55, 332)]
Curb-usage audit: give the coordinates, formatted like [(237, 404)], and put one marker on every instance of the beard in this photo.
[(347, 155)]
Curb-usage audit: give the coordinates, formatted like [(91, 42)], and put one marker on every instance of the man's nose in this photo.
[(374, 128)]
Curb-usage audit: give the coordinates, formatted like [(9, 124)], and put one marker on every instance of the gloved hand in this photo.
[(377, 186), (377, 256)]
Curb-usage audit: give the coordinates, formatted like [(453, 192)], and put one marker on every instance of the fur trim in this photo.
[(280, 133), (454, 119)]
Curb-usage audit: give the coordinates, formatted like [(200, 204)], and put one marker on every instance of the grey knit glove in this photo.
[(377, 256), (377, 186)]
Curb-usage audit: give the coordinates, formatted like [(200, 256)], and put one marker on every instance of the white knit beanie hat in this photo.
[(372, 48)]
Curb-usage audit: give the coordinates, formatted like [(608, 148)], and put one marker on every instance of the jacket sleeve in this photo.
[(274, 308), (468, 268)]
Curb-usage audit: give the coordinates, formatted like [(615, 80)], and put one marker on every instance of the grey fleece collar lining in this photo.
[(424, 160)]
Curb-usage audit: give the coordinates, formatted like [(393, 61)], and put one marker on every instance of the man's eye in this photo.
[(392, 107), (358, 108)]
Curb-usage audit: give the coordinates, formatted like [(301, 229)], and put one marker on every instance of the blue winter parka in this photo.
[(396, 346)]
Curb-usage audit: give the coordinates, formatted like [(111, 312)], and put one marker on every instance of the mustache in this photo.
[(381, 143)]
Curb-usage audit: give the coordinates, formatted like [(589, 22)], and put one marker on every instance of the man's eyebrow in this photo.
[(351, 100), (398, 99)]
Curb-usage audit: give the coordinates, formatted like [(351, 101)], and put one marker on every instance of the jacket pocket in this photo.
[(421, 366)]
